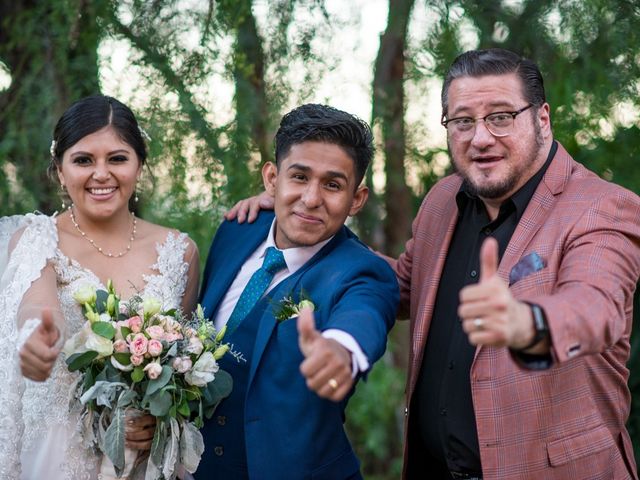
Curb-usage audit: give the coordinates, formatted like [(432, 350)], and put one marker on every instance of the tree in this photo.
[(52, 62)]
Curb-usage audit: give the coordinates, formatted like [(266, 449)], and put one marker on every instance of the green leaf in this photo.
[(184, 410), (104, 329), (80, 360), (220, 388), (161, 381), (127, 397), (123, 358), (114, 440), (170, 312), (160, 404), (101, 301), (126, 331), (137, 374)]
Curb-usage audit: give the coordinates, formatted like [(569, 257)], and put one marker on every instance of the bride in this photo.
[(97, 153)]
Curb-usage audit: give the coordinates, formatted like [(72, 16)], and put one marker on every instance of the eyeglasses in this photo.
[(499, 124)]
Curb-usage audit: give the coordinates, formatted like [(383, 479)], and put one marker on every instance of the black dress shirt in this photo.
[(443, 421)]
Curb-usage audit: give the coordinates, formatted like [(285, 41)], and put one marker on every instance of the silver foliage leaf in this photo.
[(103, 392), (172, 449), (191, 446), (114, 440)]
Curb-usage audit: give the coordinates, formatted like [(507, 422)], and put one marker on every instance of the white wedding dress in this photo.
[(40, 428)]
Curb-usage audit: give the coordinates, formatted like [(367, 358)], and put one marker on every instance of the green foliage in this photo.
[(375, 418)]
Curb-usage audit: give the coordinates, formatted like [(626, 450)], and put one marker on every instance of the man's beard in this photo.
[(506, 185)]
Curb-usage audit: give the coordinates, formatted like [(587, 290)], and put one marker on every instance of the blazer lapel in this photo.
[(537, 211), (222, 278)]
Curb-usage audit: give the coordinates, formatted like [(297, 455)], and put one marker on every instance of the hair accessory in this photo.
[(144, 134), (52, 148), (106, 254)]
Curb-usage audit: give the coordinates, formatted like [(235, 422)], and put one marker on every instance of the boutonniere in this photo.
[(288, 308)]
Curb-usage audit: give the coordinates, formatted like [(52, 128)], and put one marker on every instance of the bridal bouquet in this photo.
[(136, 356)]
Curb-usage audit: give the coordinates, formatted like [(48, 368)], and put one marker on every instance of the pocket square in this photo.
[(526, 266)]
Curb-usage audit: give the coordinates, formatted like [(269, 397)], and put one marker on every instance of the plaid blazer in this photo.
[(567, 422)]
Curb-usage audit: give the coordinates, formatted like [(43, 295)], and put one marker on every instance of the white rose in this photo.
[(85, 294), (99, 344), (203, 371), (151, 306), (195, 346)]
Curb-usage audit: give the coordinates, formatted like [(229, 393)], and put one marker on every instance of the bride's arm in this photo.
[(40, 321), (190, 297)]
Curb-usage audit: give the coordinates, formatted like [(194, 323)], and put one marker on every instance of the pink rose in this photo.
[(155, 331), (137, 360), (155, 347), (153, 369), (172, 336), (182, 364), (135, 324), (138, 345), (120, 346)]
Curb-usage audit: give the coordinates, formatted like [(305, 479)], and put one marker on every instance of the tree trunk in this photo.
[(388, 112)]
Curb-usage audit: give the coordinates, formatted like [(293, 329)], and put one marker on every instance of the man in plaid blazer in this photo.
[(518, 282)]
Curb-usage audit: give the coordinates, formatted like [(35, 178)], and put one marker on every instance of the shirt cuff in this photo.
[(359, 361)]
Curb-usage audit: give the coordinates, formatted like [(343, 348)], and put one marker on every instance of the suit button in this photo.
[(406, 411), (219, 451), (222, 420)]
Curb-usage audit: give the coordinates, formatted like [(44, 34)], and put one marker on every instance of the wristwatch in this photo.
[(539, 324)]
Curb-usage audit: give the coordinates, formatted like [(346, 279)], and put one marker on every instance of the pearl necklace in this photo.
[(106, 254)]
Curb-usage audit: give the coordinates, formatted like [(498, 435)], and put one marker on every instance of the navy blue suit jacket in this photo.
[(290, 432)]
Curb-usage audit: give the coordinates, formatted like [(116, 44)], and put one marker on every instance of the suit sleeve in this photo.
[(365, 305), (590, 307)]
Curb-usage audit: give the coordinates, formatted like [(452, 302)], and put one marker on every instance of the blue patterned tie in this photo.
[(258, 283)]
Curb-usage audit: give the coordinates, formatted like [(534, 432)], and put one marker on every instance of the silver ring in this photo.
[(478, 323), (333, 383)]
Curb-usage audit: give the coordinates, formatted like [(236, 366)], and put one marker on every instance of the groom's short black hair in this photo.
[(322, 123)]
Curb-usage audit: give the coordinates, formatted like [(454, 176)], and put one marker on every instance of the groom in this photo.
[(293, 377)]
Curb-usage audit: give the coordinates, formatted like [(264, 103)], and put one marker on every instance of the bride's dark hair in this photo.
[(87, 116)]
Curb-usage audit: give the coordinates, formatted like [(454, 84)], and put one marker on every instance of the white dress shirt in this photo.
[(295, 258)]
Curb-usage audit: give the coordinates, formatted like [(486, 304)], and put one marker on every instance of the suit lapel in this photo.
[(222, 278)]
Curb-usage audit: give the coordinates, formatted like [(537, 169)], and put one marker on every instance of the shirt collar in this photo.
[(295, 257), (521, 198)]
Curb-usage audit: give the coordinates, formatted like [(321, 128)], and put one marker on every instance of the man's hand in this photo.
[(249, 208), (327, 364), (490, 315), (38, 354), (139, 431)]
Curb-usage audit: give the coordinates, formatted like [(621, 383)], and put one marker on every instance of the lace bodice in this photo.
[(49, 404)]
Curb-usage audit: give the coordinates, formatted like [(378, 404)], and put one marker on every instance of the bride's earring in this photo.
[(63, 194), (135, 193)]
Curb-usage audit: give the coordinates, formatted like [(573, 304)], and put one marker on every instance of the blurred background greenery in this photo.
[(209, 81)]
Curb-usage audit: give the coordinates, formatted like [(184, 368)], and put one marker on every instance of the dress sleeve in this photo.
[(24, 258)]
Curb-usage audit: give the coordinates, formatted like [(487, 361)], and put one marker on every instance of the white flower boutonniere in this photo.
[(287, 308)]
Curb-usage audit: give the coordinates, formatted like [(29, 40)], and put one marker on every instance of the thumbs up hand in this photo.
[(490, 315), (39, 353), (327, 364)]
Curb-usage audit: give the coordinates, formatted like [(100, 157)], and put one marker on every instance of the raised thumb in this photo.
[(307, 332), (48, 328), (488, 259)]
